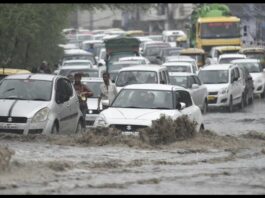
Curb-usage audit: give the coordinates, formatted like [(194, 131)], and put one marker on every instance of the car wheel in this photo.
[(241, 105), (55, 128), (201, 128), (230, 106), (79, 127), (251, 99), (263, 94), (204, 107), (246, 99)]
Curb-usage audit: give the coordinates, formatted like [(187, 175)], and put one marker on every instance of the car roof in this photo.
[(48, 77), (76, 67), (181, 74), (232, 55), (77, 60), (217, 67), (92, 41), (150, 67), (126, 62), (177, 63), (76, 51), (92, 79), (154, 87), (11, 71), (132, 58), (247, 60)]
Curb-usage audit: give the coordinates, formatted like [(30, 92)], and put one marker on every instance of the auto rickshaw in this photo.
[(11, 71), (256, 53), (196, 53), (133, 33), (181, 41)]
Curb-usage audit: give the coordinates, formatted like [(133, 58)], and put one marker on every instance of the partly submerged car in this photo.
[(136, 106)]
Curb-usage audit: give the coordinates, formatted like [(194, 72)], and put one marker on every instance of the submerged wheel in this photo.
[(241, 105), (55, 128), (230, 106), (205, 107), (79, 127)]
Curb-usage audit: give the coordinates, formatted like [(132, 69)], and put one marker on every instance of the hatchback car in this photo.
[(257, 73), (181, 67), (227, 58), (39, 104), (191, 82), (136, 106), (225, 85)]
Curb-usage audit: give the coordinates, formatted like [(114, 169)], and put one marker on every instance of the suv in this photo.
[(39, 104), (142, 74), (225, 85)]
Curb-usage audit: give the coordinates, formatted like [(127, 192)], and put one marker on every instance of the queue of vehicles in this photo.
[(153, 75)]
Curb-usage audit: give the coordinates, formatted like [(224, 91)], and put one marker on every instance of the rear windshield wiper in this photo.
[(39, 99), (13, 98), (160, 108)]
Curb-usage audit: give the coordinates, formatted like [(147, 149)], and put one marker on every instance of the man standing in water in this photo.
[(108, 90)]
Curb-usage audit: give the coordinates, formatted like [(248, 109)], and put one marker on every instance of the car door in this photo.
[(62, 106), (202, 91), (233, 85), (183, 96), (237, 85), (194, 91), (72, 104)]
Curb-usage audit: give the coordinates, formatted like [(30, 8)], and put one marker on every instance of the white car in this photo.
[(258, 75), (39, 104), (78, 54), (227, 58), (225, 85), (130, 110), (94, 107), (142, 74), (191, 82), (181, 67)]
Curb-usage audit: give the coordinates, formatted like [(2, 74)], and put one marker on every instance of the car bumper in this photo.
[(23, 128), (218, 100)]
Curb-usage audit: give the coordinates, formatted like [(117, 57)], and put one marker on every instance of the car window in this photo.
[(191, 81), (63, 89), (183, 96), (237, 75), (197, 80)]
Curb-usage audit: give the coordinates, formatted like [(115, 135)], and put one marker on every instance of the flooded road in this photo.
[(226, 163)]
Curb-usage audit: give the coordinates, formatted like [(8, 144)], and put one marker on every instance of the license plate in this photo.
[(8, 126), (211, 97), (136, 133)]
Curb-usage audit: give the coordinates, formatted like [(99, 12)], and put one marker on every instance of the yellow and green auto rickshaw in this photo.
[(196, 53), (11, 71)]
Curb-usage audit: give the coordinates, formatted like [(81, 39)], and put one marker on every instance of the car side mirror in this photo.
[(195, 86), (105, 102), (180, 106), (263, 70)]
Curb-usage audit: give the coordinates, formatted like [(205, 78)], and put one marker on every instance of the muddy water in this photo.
[(225, 163), (251, 118)]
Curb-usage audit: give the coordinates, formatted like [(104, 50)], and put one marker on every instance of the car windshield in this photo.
[(251, 67), (144, 99), (228, 60), (179, 80), (85, 72), (28, 89), (136, 77), (213, 76), (94, 87), (179, 68)]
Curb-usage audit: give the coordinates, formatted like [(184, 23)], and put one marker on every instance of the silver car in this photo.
[(39, 104)]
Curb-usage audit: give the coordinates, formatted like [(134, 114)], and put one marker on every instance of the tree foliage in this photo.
[(30, 33)]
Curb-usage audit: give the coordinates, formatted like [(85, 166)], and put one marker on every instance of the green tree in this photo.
[(30, 33)]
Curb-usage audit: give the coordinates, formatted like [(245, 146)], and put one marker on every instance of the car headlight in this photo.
[(100, 121), (41, 115), (224, 90)]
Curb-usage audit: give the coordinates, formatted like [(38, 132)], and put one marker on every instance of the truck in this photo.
[(213, 25), (119, 47)]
